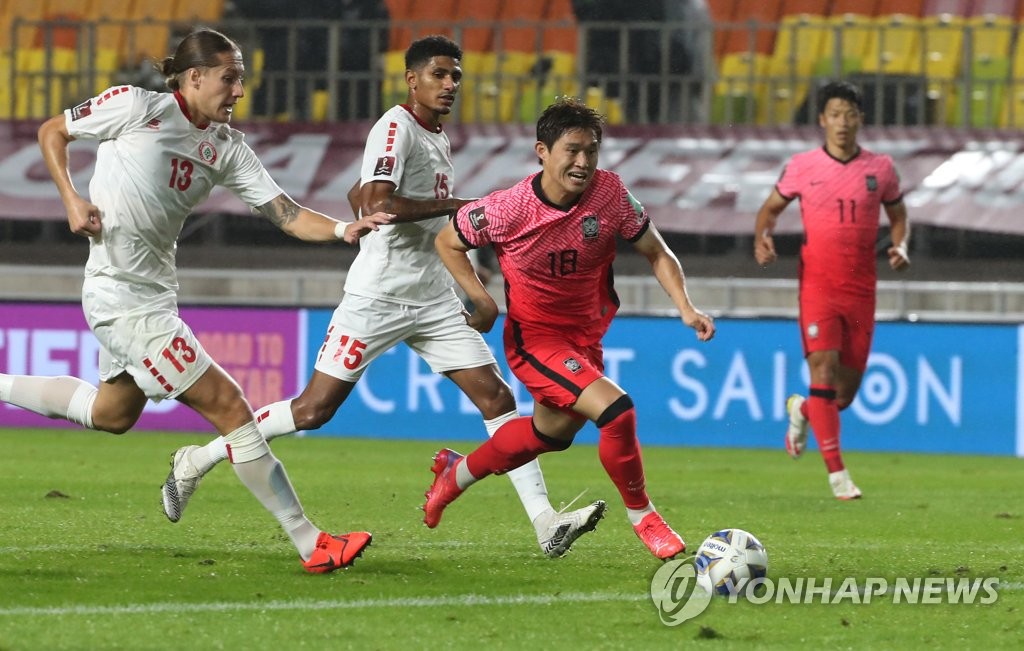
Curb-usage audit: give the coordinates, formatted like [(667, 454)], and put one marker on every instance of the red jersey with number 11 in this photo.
[(557, 262), (840, 205)]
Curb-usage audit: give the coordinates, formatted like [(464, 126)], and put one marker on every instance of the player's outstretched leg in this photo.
[(562, 529), (181, 482), (444, 489), (796, 432), (337, 552), (663, 542)]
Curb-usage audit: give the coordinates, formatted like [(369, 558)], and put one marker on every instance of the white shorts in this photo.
[(140, 332), (363, 329)]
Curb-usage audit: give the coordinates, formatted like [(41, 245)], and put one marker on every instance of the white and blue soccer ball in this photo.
[(728, 560)]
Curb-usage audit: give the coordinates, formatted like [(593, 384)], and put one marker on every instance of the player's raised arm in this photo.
[(670, 275), (455, 255), (312, 226), (764, 226)]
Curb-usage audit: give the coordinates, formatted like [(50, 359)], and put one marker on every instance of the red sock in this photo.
[(823, 415), (515, 443), (619, 450)]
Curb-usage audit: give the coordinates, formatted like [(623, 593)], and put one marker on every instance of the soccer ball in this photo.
[(728, 560)]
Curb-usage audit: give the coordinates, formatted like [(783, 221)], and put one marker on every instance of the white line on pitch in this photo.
[(406, 602)]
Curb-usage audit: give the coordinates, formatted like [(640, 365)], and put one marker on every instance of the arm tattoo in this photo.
[(281, 210)]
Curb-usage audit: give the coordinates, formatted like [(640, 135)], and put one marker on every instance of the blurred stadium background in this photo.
[(945, 73)]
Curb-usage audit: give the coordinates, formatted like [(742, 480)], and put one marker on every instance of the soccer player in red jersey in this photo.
[(554, 234), (842, 188)]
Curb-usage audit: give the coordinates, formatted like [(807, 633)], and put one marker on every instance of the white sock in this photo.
[(635, 516), (273, 420), (265, 477), (527, 479), (54, 397)]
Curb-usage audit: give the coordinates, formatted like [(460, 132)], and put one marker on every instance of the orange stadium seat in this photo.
[(804, 7), (721, 12), (904, 7), (108, 17), (855, 7), (149, 41), (198, 11)]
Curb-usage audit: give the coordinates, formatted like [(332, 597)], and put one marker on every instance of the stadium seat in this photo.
[(1013, 112), (107, 40), (945, 8), (854, 7), (895, 45), (475, 32), (722, 12), (198, 11), (988, 40), (150, 33), (803, 8), (797, 51), (741, 88), (942, 42), (900, 7), (845, 45)]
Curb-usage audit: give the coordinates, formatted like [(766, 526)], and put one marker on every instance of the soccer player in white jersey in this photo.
[(160, 155), (397, 290)]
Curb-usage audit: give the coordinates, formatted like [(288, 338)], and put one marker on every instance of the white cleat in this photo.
[(842, 486), (796, 433), (181, 482), (564, 528)]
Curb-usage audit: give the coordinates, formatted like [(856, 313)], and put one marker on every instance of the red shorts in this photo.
[(553, 369), (846, 325)]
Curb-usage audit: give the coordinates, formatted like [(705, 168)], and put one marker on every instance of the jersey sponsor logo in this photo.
[(872, 183), (571, 364), (477, 219), (83, 110), (590, 227), (207, 152), (385, 166)]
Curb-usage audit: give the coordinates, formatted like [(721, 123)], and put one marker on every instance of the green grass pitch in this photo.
[(88, 561)]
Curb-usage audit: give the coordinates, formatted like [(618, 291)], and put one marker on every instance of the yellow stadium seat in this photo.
[(845, 45), (150, 37), (393, 88), (942, 42), (1013, 112), (797, 50), (479, 91), (895, 46), (988, 40), (740, 88)]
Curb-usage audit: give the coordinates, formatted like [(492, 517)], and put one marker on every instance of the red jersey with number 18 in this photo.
[(840, 205), (557, 262)]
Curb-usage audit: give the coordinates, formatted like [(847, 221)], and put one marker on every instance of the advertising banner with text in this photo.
[(928, 387), (708, 180), (259, 348)]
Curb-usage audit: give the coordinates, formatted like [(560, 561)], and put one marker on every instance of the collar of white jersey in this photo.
[(423, 124)]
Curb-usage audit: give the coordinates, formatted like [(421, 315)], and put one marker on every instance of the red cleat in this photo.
[(336, 552), (444, 490), (659, 537)]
